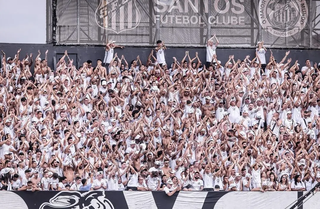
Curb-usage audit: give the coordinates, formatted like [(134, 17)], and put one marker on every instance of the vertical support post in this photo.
[(286, 38), (310, 23), (252, 24), (100, 39), (105, 20), (151, 22), (260, 36), (203, 14), (54, 22), (49, 21), (158, 27), (78, 21)]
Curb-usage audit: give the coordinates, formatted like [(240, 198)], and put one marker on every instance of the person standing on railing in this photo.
[(211, 50), (161, 59), (109, 53)]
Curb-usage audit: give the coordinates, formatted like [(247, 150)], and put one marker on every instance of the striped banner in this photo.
[(152, 200)]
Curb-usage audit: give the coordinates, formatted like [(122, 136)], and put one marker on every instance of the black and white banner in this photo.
[(150, 200)]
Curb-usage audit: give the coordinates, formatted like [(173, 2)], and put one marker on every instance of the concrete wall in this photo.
[(83, 53)]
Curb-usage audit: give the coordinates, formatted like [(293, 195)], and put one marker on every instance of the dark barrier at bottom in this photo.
[(150, 200)]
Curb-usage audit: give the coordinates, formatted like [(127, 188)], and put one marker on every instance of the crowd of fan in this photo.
[(246, 125)]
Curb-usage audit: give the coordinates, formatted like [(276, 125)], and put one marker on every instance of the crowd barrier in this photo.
[(150, 200)]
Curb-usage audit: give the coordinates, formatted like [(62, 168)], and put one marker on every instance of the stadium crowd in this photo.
[(246, 125)]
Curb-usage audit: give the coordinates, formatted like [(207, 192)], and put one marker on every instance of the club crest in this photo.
[(283, 18), (72, 200), (118, 15)]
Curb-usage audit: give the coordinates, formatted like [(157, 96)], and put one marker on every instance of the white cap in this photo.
[(78, 134), (169, 181), (242, 133), (137, 137), (302, 162), (251, 132), (132, 142), (157, 162)]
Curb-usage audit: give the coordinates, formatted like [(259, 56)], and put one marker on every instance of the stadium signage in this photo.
[(283, 18), (118, 15), (187, 12), (123, 15)]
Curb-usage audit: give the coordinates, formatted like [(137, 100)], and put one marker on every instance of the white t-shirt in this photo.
[(45, 182), (256, 177), (298, 186), (304, 69), (208, 180), (54, 183), (99, 183), (234, 114), (153, 183), (197, 184), (160, 56), (108, 56), (16, 184), (211, 50), (133, 180), (113, 184), (220, 113), (262, 55), (244, 185), (61, 185), (75, 187)]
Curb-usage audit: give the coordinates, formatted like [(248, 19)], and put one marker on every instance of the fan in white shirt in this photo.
[(234, 112), (289, 122), (197, 183), (45, 182), (208, 181), (307, 68), (160, 52), (77, 184), (297, 184), (113, 181), (99, 183), (211, 48), (220, 112)]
